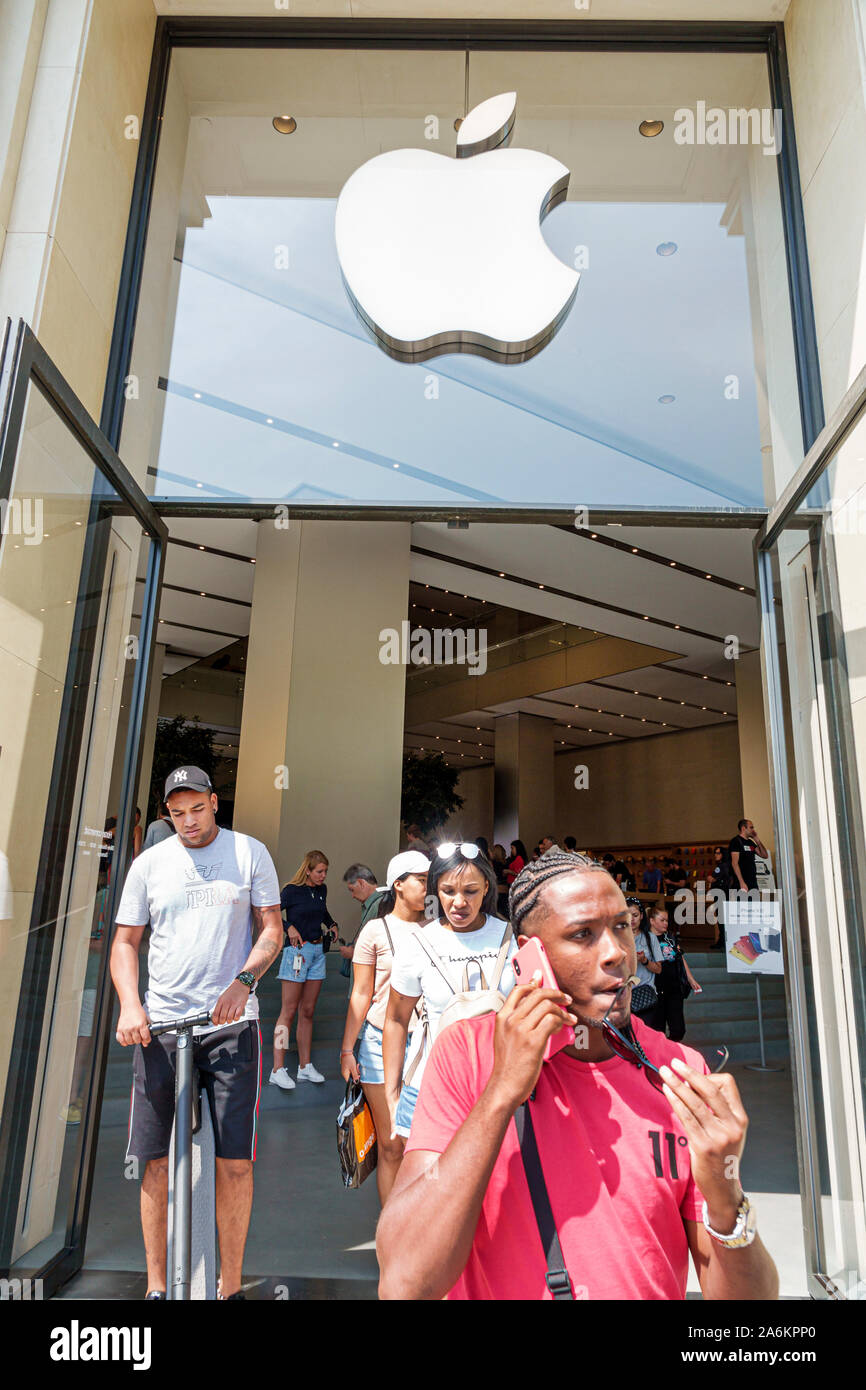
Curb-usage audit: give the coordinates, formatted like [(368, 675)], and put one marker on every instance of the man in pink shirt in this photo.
[(636, 1178)]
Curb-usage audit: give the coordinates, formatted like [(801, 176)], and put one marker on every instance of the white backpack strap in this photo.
[(503, 956), (425, 1035), (435, 960), (482, 983)]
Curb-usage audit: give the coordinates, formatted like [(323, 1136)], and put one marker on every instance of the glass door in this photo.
[(812, 574), (76, 641)]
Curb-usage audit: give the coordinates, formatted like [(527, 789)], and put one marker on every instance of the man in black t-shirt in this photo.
[(675, 876), (743, 847)]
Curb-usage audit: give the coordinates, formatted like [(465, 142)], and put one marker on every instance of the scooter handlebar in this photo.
[(180, 1024)]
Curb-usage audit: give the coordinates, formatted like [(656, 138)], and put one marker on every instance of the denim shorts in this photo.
[(370, 1063), (313, 967), (405, 1110)]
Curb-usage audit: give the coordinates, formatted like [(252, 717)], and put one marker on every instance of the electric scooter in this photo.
[(191, 1224)]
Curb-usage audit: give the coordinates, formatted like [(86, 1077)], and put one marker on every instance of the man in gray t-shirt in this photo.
[(158, 830), (201, 891)]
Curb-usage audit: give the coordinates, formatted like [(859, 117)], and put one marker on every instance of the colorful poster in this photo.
[(753, 936)]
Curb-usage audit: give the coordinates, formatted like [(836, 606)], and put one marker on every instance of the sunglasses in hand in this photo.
[(630, 1050)]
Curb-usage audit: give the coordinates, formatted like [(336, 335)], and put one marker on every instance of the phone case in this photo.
[(529, 959)]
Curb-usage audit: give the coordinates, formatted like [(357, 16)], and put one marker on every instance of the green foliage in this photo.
[(179, 741), (429, 791)]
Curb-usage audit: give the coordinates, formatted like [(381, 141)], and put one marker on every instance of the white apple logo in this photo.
[(446, 255)]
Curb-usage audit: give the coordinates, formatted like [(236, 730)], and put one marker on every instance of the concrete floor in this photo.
[(312, 1238)]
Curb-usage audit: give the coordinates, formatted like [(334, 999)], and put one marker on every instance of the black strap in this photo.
[(556, 1278)]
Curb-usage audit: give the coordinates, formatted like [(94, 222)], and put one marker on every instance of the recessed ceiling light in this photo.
[(285, 125), (667, 248), (634, 550), (650, 129), (269, 421), (666, 400), (673, 562), (197, 395), (201, 547), (501, 574)]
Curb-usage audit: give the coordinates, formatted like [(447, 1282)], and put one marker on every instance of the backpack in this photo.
[(467, 1003)]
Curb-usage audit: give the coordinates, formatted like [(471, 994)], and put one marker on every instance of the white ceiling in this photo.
[(651, 700)]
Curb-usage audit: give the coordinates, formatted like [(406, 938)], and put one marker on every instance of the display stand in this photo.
[(763, 1065)]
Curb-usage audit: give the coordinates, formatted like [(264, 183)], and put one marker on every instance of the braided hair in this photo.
[(525, 893)]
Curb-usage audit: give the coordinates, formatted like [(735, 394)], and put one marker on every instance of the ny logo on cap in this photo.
[(180, 776)]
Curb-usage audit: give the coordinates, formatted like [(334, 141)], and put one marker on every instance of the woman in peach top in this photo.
[(400, 910)]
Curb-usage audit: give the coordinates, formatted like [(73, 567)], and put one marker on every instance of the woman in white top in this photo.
[(399, 910), (468, 936)]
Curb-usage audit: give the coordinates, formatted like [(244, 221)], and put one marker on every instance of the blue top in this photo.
[(305, 909)]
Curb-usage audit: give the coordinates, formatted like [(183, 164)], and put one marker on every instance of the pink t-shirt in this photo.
[(616, 1164)]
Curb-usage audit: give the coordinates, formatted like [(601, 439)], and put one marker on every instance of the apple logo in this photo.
[(446, 255)]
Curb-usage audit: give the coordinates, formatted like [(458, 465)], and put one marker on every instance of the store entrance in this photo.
[(572, 712)]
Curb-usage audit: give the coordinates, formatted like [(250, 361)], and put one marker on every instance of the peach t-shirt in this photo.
[(372, 948)]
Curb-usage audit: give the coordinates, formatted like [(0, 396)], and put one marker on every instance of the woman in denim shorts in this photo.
[(400, 910), (302, 967)]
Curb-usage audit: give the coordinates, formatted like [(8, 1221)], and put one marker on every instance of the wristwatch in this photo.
[(247, 978), (744, 1231)]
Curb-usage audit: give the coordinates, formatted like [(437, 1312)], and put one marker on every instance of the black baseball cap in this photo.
[(187, 779)]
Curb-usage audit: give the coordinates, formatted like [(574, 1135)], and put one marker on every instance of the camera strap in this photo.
[(556, 1278)]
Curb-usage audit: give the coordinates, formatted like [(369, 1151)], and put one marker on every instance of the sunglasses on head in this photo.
[(630, 1050), (468, 851)]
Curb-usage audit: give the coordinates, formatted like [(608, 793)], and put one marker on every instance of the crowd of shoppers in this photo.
[(450, 1052)]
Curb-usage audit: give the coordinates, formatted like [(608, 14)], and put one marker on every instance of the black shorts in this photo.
[(229, 1064)]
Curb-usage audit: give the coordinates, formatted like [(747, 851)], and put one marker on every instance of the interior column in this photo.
[(321, 746), (523, 784)]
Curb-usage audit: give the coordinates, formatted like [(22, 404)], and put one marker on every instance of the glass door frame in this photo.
[(788, 511), (25, 361)]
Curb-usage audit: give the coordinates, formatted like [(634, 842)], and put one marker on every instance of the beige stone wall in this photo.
[(664, 789)]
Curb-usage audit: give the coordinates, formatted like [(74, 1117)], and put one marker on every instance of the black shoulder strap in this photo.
[(556, 1278)]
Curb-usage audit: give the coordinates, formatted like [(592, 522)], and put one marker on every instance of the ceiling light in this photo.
[(667, 248), (269, 421), (676, 627), (634, 550), (284, 125), (201, 547), (666, 400), (650, 129), (742, 588), (501, 574), (197, 395), (673, 563), (593, 537)]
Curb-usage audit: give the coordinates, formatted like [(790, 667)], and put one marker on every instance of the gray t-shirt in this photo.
[(197, 902), (156, 831)]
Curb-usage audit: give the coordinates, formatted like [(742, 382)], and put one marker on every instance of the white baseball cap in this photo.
[(411, 861)]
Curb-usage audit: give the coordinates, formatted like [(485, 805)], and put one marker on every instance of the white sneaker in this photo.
[(282, 1079), (309, 1073)]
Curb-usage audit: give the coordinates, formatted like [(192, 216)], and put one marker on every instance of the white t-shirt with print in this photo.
[(197, 902), (413, 972)]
